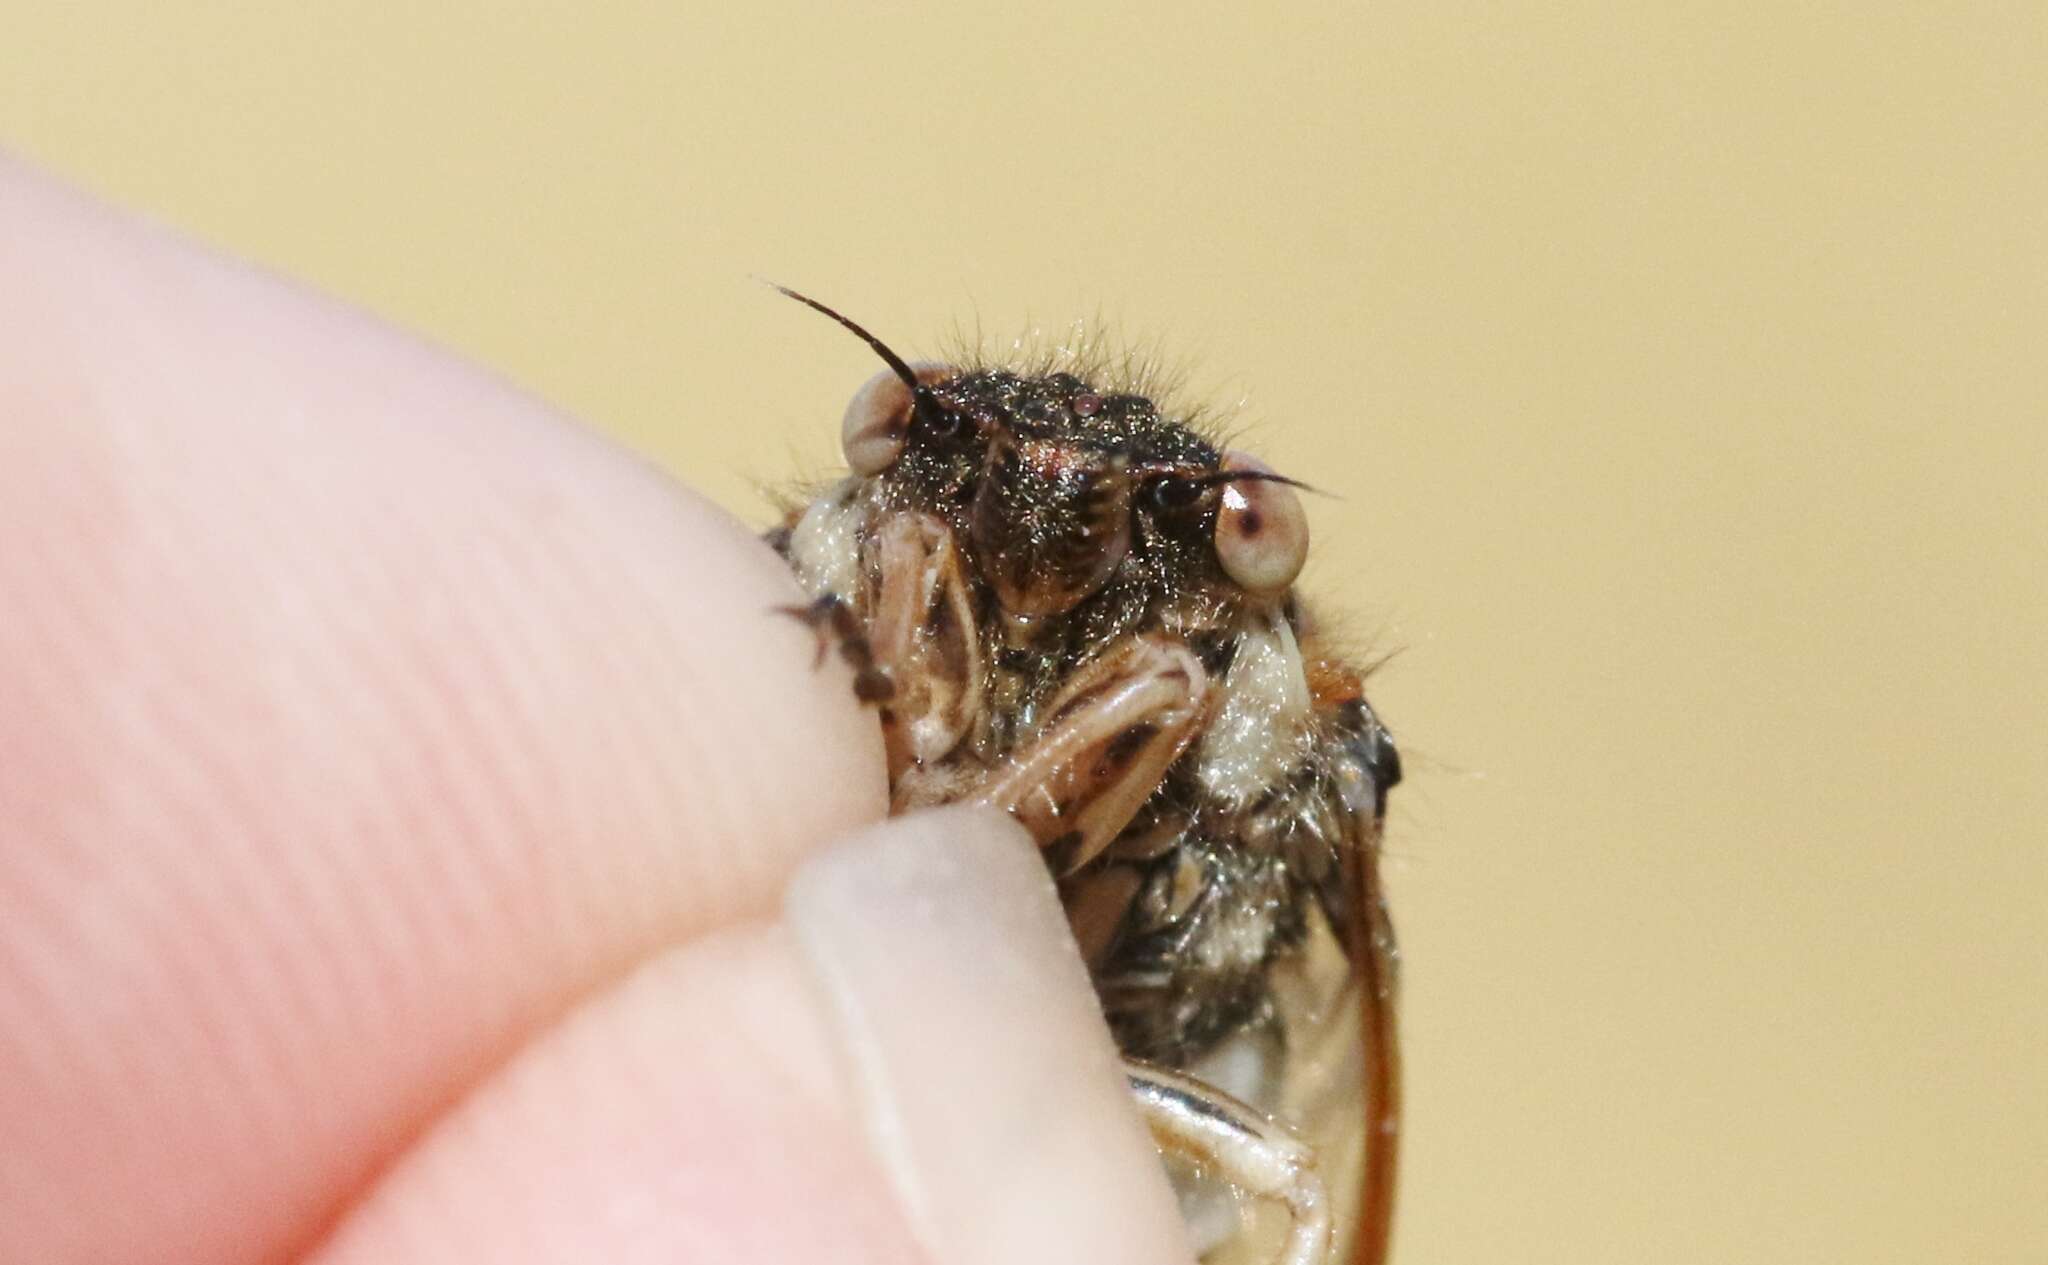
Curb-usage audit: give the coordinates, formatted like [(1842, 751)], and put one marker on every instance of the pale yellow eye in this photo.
[(878, 418), (1261, 531)]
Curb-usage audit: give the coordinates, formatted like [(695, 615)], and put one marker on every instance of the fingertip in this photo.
[(971, 1039), (908, 1067), (688, 1114)]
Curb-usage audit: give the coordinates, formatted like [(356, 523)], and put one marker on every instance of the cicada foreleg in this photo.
[(908, 632), (922, 631), (1246, 1150), (832, 618), (1103, 749)]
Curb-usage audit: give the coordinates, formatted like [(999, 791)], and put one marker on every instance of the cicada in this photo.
[(1069, 605)]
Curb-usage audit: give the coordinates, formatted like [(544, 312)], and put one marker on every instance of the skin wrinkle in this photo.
[(26, 977), (149, 933), (100, 1078), (515, 674), (325, 880), (58, 721), (211, 907), (720, 809), (45, 644), (346, 884), (461, 783), (601, 1089), (468, 733), (717, 809), (101, 1061), (311, 994), (50, 1026), (435, 943), (513, 784), (454, 770), (233, 808), (714, 809), (224, 902), (347, 780), (415, 773), (476, 735), (615, 634), (609, 738)]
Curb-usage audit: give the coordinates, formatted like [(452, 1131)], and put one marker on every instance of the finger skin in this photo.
[(974, 1045), (690, 1114), (357, 717), (907, 1065)]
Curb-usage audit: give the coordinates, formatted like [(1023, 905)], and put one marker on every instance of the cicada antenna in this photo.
[(895, 362), (1253, 476)]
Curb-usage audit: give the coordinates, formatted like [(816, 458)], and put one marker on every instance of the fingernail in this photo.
[(971, 1041)]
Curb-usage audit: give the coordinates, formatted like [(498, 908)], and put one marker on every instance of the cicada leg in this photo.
[(1106, 743), (1242, 1147), (922, 629), (834, 622), (909, 634)]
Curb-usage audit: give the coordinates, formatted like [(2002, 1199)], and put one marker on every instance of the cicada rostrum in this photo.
[(1067, 604)]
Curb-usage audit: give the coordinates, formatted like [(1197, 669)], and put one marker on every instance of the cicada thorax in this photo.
[(1226, 923), (1071, 607)]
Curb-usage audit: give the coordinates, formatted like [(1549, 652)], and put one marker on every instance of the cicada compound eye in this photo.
[(878, 418), (1261, 530)]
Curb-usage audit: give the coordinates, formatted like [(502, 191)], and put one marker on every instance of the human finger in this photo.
[(358, 716), (907, 1065)]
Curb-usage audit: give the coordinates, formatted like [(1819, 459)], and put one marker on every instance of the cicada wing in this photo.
[(1375, 961), (1363, 766), (1306, 1068), (1331, 1073), (1342, 1085), (1339, 1082)]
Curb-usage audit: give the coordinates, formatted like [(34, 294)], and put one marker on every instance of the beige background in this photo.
[(1677, 369)]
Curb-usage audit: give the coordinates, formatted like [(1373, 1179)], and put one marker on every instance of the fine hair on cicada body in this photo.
[(1069, 605)]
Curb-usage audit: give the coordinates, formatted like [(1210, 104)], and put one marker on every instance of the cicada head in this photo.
[(1058, 483)]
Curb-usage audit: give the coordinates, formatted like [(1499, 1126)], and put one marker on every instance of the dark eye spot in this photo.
[(935, 419), (1175, 494), (1249, 522)]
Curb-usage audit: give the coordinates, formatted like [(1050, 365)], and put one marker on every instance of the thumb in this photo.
[(907, 1065)]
